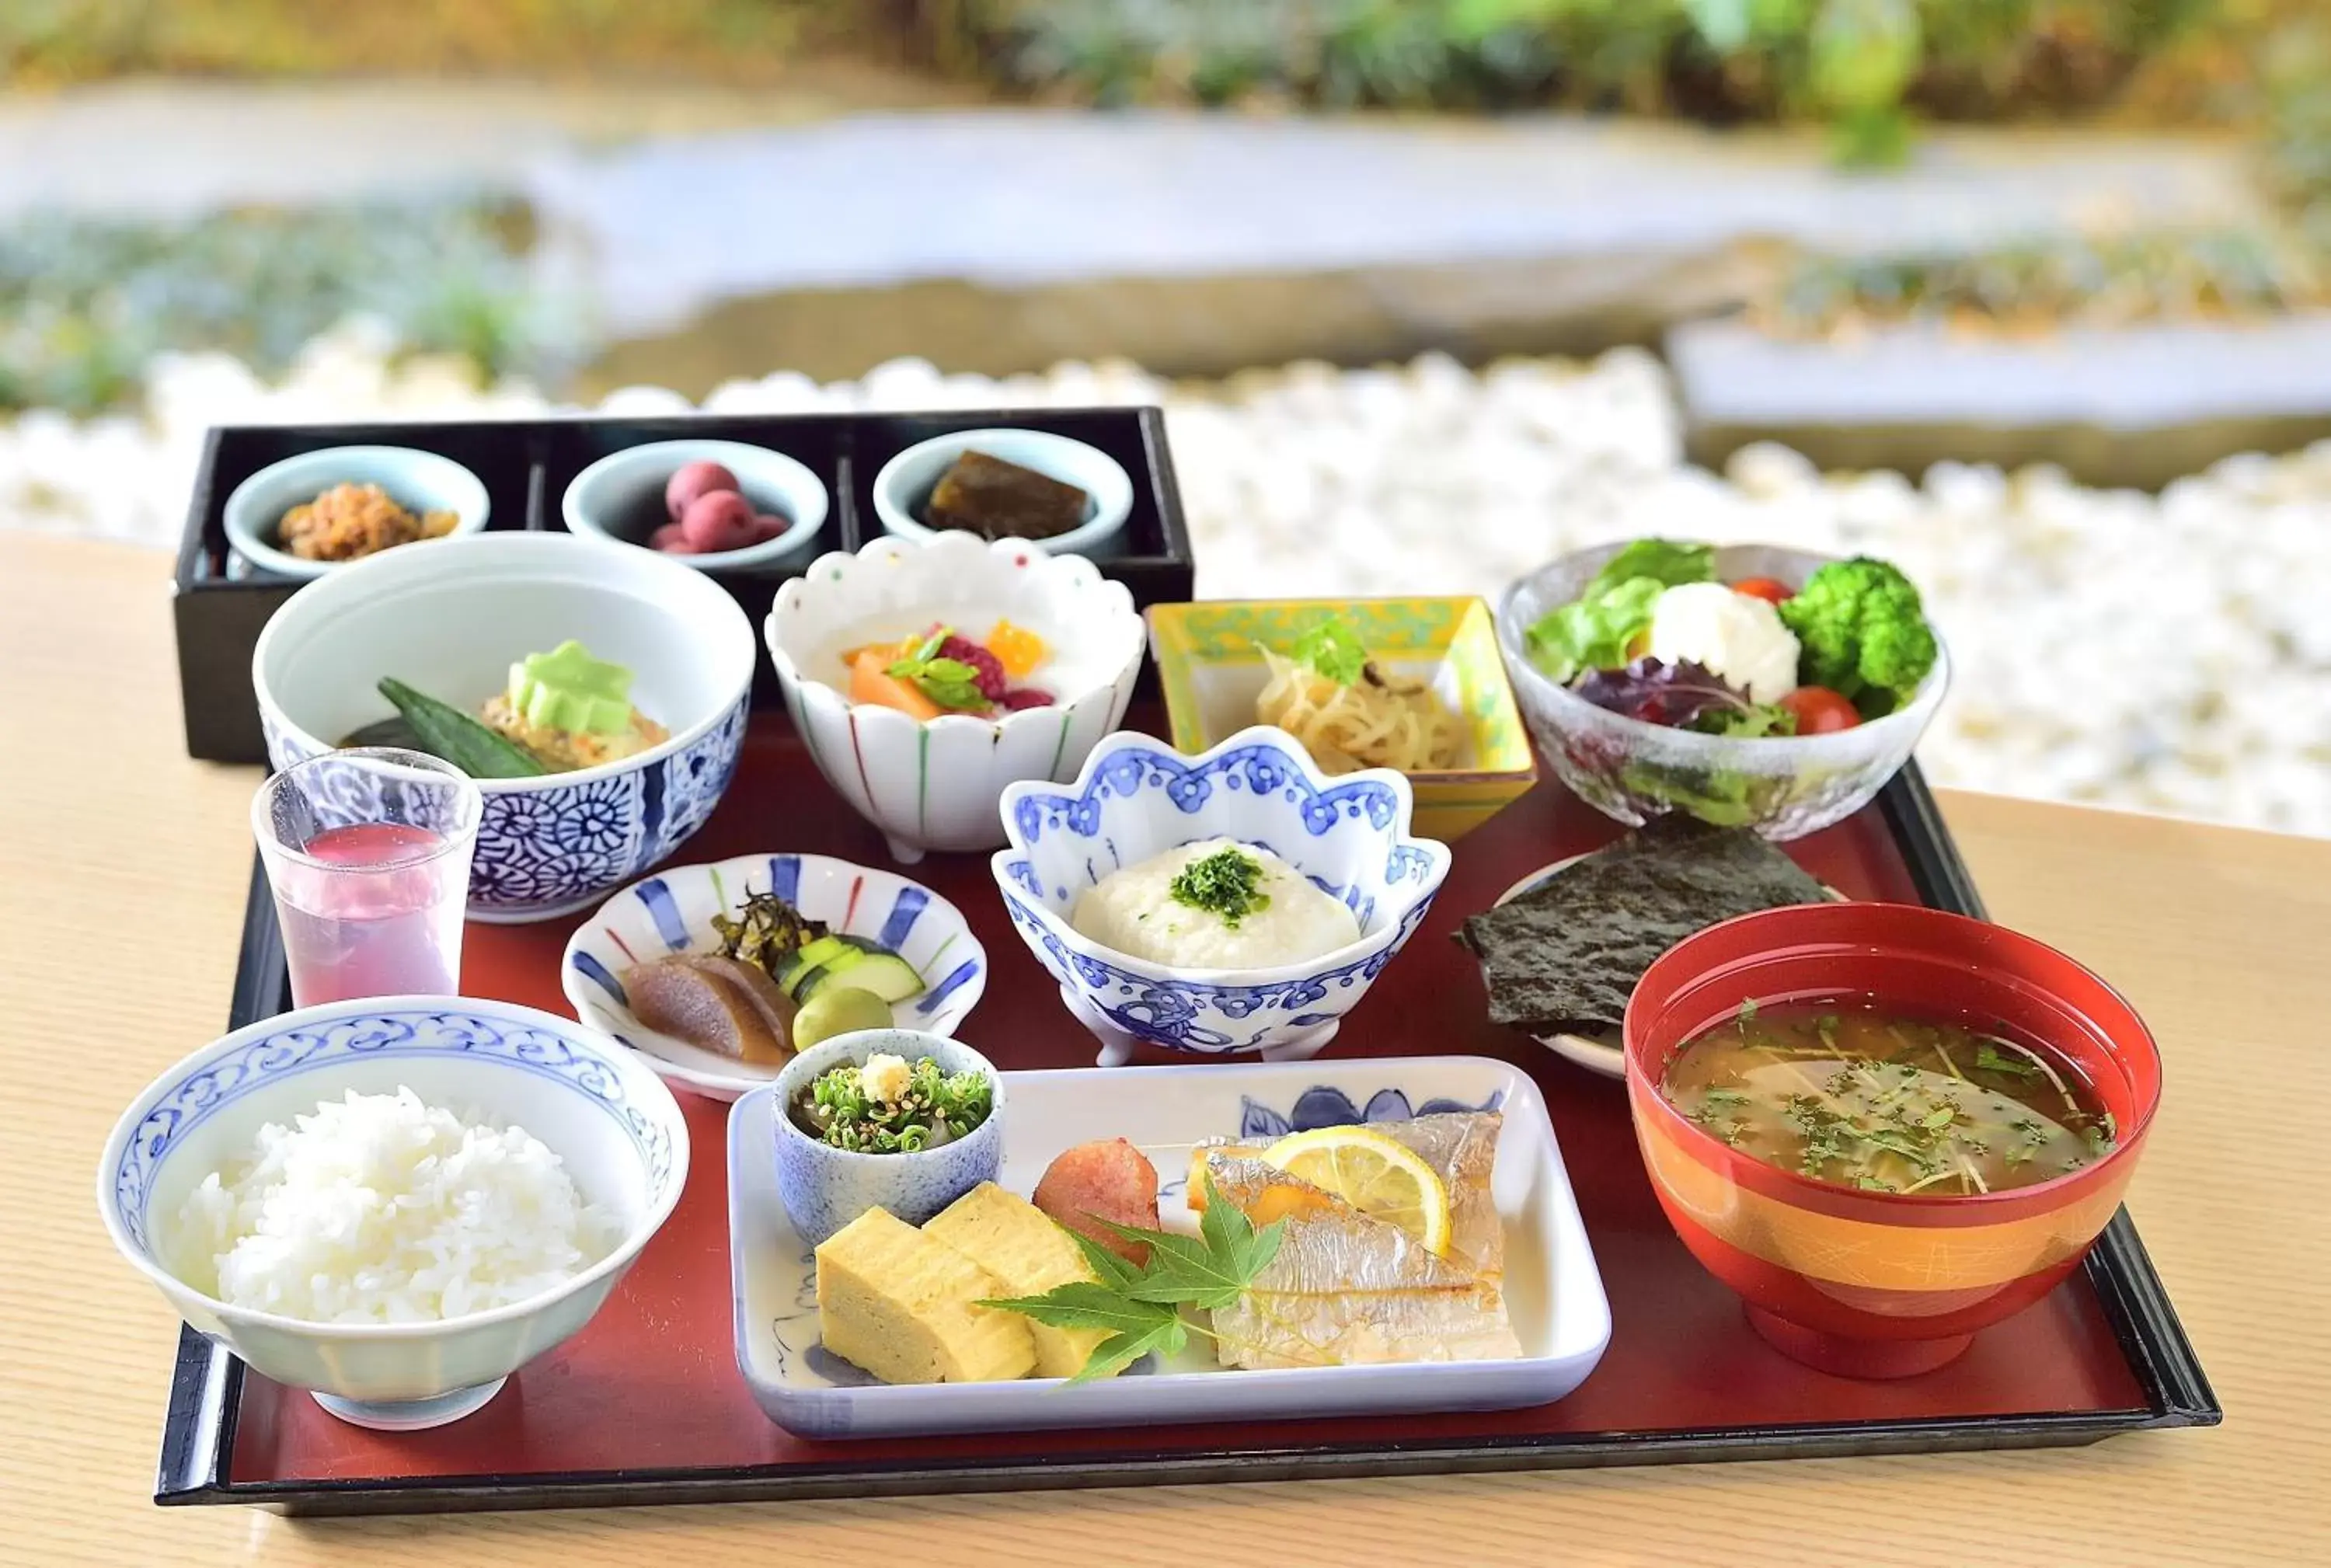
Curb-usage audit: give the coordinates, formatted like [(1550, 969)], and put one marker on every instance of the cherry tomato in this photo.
[(1819, 710), (1771, 590)]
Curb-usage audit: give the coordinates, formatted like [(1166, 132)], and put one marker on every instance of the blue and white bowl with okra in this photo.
[(671, 912), (450, 620), (1136, 798)]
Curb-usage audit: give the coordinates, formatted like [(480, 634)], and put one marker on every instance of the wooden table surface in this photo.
[(122, 869)]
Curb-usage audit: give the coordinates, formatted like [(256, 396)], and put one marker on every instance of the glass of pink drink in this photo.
[(368, 851)]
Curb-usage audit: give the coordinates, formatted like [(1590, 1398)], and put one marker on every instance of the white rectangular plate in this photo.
[(1553, 1290)]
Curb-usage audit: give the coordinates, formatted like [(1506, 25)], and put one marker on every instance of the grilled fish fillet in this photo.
[(1350, 1290)]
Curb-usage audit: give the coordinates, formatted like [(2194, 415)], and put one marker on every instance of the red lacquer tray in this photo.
[(646, 1405)]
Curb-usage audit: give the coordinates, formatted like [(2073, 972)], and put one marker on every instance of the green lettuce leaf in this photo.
[(1593, 631)]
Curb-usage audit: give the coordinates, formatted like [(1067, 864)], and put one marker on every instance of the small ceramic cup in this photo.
[(824, 1188)]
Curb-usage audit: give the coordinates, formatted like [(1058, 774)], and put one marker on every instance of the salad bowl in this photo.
[(934, 783), (451, 618), (1137, 797), (616, 1129), (1784, 786), (671, 912)]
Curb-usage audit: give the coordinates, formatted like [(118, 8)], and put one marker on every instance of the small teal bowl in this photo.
[(824, 1188), (903, 485), (418, 481), (621, 497)]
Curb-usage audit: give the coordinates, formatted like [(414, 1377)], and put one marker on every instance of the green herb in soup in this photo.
[(1854, 1094)]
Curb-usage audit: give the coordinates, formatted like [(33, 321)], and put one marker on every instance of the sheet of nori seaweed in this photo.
[(1565, 954)]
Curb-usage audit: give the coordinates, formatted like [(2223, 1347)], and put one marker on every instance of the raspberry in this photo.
[(1026, 697), (991, 684)]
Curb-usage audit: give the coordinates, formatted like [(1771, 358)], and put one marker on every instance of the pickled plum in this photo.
[(672, 541), (692, 481), (718, 520)]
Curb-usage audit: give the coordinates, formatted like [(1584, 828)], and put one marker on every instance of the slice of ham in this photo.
[(1108, 1180), (715, 1004)]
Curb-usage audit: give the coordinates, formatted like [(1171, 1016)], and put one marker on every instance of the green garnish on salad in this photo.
[(1595, 630)]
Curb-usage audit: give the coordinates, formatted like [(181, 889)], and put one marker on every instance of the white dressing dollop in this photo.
[(1739, 637)]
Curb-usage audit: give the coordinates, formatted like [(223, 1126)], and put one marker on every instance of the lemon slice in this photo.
[(1377, 1176)]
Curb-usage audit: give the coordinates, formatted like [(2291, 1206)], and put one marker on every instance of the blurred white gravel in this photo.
[(2168, 654)]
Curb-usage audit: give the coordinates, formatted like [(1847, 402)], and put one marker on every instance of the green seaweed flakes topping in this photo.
[(1227, 883)]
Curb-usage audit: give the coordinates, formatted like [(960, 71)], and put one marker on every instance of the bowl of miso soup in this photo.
[(1887, 1127)]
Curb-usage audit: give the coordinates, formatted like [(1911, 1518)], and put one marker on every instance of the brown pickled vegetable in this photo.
[(998, 500)]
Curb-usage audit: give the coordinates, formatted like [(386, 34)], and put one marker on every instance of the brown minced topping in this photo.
[(351, 520)]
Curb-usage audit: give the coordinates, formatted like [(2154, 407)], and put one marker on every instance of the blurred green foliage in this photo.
[(86, 304), (2041, 286), (75, 39), (1864, 66)]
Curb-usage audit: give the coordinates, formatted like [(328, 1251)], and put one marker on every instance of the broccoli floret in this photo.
[(1861, 633)]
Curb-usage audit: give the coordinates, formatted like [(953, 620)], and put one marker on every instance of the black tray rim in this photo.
[(207, 1382)]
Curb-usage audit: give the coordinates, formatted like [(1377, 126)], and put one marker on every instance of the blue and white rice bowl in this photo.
[(1137, 798), (824, 1188), (617, 1130), (671, 912), (450, 621)]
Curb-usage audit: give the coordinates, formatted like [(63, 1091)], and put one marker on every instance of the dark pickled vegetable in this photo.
[(1002, 501)]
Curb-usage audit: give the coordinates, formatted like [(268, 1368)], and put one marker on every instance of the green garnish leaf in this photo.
[(950, 682), (1135, 1327), (1594, 631), (1332, 651), (1140, 1305), (1113, 1268), (1748, 1011), (1166, 1336), (1228, 883), (1670, 562)]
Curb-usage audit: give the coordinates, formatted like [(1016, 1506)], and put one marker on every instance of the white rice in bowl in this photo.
[(386, 1209)]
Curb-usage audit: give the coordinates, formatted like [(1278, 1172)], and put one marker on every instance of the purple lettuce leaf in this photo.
[(1682, 696)]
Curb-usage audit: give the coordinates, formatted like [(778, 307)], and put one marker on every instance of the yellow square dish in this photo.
[(1210, 662)]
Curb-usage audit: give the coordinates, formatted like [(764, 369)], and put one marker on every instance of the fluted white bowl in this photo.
[(613, 1123), (935, 784)]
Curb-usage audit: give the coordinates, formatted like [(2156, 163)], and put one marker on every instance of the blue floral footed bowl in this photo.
[(1136, 798)]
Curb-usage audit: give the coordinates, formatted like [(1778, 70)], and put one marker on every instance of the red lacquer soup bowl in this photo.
[(1880, 1284)]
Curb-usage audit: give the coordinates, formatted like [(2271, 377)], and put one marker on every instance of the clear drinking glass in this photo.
[(368, 851)]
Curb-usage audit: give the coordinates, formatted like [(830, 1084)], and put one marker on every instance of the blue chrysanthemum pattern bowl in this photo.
[(451, 618)]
